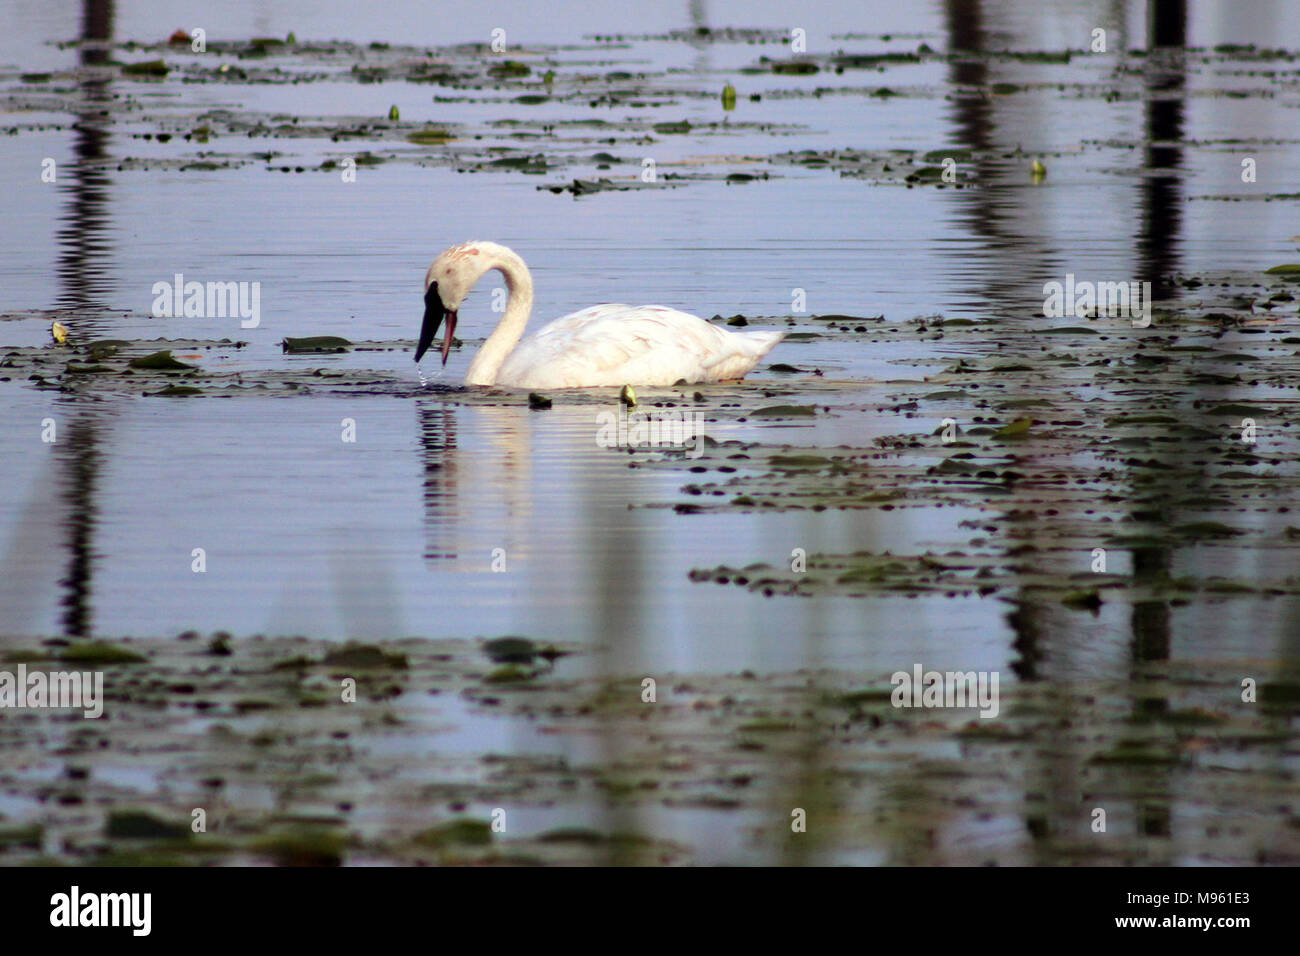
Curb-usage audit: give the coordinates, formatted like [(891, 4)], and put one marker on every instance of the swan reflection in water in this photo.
[(476, 493)]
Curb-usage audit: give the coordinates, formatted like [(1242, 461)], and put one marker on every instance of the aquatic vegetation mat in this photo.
[(262, 754)]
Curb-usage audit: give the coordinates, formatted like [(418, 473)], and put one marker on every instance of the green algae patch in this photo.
[(20, 656), (430, 136), (798, 462), (160, 362), (455, 833), (509, 68), (1136, 754), (990, 732), (139, 825), (957, 153), (315, 343), (1207, 529), (73, 368), (29, 836), (586, 837), (1189, 717), (99, 652), (1017, 429), (785, 411), (508, 674), (767, 727), (926, 174), (511, 650), (1280, 695), (1290, 269), (365, 657), (146, 68), (303, 847), (863, 695), (298, 663), (1082, 600)]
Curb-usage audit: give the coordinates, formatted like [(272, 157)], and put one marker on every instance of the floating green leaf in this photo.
[(1017, 429), (159, 361), (316, 343), (146, 68)]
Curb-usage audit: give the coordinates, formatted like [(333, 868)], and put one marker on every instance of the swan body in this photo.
[(611, 344)]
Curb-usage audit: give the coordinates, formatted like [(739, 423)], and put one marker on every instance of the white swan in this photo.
[(603, 345)]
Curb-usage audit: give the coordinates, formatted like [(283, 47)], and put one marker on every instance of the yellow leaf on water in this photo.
[(60, 332), (1017, 429)]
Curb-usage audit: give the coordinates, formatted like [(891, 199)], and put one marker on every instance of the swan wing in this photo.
[(616, 344)]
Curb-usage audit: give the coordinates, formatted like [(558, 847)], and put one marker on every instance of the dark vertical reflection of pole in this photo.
[(82, 274), (982, 212), (1161, 203), (965, 23), (1158, 256), (1161, 199), (83, 247), (617, 568), (439, 450), (81, 464)]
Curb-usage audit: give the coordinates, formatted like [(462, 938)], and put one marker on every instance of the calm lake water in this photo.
[(395, 534), (304, 533)]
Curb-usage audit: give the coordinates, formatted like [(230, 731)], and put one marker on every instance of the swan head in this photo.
[(450, 279), (446, 284)]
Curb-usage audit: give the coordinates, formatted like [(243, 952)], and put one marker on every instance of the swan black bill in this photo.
[(434, 313)]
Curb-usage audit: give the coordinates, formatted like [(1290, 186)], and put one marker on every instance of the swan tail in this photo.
[(745, 351), (762, 342)]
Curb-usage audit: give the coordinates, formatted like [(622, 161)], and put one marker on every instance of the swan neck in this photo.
[(519, 305)]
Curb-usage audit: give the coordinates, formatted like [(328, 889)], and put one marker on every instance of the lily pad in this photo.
[(147, 68), (784, 411), (430, 136), (794, 68), (456, 833), (99, 652), (159, 361), (138, 825), (508, 674), (1207, 529), (365, 657), (1017, 429), (510, 650), (316, 343)]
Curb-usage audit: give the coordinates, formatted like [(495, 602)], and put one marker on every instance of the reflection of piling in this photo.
[(83, 245), (619, 576), (1161, 194), (81, 460), (440, 455), (82, 276)]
